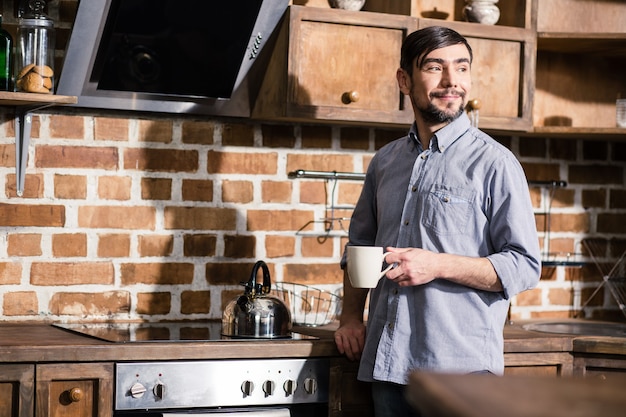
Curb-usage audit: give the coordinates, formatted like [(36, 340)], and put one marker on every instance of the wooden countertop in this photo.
[(40, 342), (440, 395)]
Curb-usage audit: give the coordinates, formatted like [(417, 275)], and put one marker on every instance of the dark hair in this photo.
[(422, 42)]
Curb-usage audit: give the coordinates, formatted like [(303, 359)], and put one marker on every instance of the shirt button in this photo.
[(414, 189), (395, 291), (446, 199), (390, 326), (406, 222), (424, 157)]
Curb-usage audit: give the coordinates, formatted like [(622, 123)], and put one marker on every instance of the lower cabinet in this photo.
[(76, 389), (602, 367), (348, 396), (16, 390), (539, 364), (56, 390)]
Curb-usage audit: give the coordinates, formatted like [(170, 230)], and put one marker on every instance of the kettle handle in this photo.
[(264, 288)]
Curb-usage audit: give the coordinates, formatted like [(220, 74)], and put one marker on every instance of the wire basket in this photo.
[(309, 306)]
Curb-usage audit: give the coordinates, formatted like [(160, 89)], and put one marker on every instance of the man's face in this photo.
[(440, 86)]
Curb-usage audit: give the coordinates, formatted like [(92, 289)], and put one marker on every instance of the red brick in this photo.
[(312, 247), (617, 199), (70, 187), (384, 136), (113, 217), (278, 136), (67, 127), (200, 218), (115, 245), (156, 245), (7, 155), (197, 132), (161, 160), (529, 298), (71, 273), (197, 190), (76, 157), (195, 302), (276, 191), (83, 305), (322, 162), (156, 188), (313, 274), (560, 297), (594, 198), (239, 246), (349, 193), (69, 245), (33, 186), (228, 296), (237, 134), (155, 131), (199, 245), (611, 223), (24, 244), (242, 163), (562, 149), (565, 222), (227, 273), (152, 303), (279, 246), (237, 191), (22, 215), (355, 138), (167, 273), (316, 137), (10, 273), (275, 220), (110, 128), (541, 171), (20, 303), (313, 192), (602, 174), (114, 188)]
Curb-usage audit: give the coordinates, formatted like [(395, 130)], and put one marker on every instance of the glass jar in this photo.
[(34, 58), (6, 59)]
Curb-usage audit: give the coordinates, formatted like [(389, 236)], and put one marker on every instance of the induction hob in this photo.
[(178, 331)]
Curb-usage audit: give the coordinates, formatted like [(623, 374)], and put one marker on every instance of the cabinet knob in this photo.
[(350, 97), (76, 394), (474, 104)]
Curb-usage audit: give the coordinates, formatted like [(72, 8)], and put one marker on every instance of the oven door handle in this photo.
[(275, 412)]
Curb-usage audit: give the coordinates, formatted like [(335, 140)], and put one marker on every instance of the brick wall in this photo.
[(141, 216)]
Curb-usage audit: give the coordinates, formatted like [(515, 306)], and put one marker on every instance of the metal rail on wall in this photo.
[(549, 259)]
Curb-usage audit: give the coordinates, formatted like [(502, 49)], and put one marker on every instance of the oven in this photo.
[(268, 387)]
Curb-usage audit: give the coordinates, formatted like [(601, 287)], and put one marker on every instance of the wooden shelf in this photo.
[(565, 131), (34, 100), (608, 44)]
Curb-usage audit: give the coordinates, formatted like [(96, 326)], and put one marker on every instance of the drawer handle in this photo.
[(350, 97), (76, 394)]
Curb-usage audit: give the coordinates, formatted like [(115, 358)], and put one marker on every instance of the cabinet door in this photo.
[(348, 396), (601, 367), (77, 390), (16, 390), (336, 65), (503, 72)]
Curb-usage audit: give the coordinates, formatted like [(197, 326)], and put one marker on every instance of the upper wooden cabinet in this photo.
[(337, 66), (581, 58)]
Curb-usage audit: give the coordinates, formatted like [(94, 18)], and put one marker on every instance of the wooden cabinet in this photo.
[(336, 66), (77, 390), (348, 397), (580, 66), (16, 390), (602, 367), (539, 364)]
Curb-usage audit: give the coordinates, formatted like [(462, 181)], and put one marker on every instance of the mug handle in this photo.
[(389, 268)]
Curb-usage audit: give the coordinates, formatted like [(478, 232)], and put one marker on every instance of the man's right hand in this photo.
[(350, 339)]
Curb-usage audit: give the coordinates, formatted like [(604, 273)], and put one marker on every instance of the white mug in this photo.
[(364, 265)]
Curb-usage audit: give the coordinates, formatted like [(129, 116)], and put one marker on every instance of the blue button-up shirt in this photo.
[(466, 195)]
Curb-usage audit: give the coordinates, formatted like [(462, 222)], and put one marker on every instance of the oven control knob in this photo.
[(137, 390), (159, 390), (290, 386), (247, 387), (310, 385), (268, 387)]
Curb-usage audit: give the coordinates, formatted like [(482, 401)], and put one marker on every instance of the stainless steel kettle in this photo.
[(256, 314)]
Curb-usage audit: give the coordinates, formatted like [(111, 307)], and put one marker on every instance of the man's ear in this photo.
[(404, 81)]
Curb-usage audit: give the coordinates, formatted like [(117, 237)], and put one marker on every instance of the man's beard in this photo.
[(431, 114)]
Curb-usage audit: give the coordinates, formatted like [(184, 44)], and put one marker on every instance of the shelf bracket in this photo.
[(23, 125)]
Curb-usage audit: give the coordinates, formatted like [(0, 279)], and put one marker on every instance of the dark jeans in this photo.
[(389, 401)]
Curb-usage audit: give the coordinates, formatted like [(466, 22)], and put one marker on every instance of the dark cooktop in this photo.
[(179, 331)]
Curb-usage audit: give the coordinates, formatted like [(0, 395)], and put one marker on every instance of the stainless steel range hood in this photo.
[(171, 56)]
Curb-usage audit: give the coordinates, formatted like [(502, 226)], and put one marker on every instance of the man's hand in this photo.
[(350, 339)]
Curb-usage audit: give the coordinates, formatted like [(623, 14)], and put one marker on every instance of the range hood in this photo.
[(170, 56)]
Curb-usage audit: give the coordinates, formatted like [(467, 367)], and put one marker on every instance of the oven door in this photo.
[(296, 410)]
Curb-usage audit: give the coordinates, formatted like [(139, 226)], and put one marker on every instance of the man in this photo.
[(453, 207)]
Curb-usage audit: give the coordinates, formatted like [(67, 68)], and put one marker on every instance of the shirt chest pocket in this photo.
[(447, 210)]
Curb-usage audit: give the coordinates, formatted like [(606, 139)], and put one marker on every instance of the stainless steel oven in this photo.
[(268, 387)]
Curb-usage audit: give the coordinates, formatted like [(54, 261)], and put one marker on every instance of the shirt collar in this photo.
[(445, 136)]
